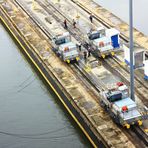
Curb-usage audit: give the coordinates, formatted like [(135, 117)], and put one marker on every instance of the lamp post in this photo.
[(131, 50)]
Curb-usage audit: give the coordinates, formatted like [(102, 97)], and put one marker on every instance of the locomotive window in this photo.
[(60, 41), (114, 97), (94, 36)]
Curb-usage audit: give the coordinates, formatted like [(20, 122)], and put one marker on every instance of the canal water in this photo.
[(120, 9), (31, 116)]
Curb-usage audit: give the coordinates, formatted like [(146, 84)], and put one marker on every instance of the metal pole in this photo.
[(131, 50)]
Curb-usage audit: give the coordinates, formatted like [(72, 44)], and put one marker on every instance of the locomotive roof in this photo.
[(125, 102), (102, 39), (112, 31)]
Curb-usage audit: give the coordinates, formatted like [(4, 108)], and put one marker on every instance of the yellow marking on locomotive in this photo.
[(77, 58), (112, 53), (139, 122), (68, 61), (103, 56), (127, 126)]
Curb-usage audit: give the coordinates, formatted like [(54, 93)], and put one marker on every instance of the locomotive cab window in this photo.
[(60, 41), (94, 36)]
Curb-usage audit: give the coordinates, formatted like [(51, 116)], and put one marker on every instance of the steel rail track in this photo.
[(141, 134), (138, 131), (142, 82), (124, 75), (122, 36), (100, 20), (98, 85), (107, 25), (51, 9), (79, 36)]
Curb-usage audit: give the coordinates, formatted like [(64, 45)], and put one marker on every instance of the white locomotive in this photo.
[(104, 41), (65, 48), (121, 108)]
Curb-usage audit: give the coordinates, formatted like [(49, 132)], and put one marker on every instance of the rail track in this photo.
[(107, 25), (91, 79), (79, 36)]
